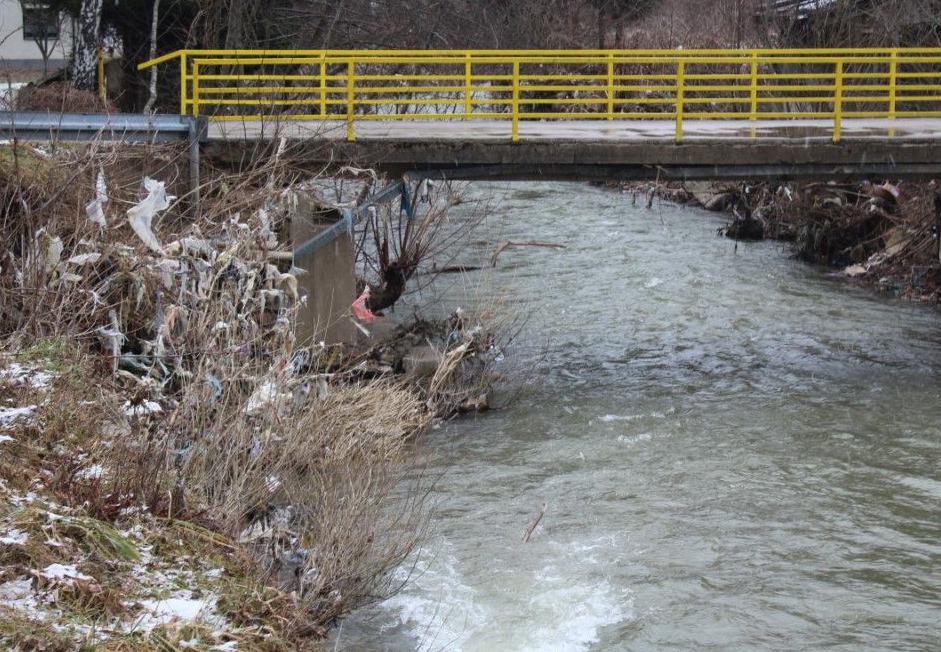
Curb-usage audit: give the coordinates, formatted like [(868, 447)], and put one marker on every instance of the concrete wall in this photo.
[(19, 52), (330, 282)]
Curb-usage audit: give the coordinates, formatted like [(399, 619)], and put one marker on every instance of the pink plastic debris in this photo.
[(360, 311)]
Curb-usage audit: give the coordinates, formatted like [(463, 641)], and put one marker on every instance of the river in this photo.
[(735, 451)]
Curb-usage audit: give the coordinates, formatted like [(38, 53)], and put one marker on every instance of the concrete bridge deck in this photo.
[(602, 149)]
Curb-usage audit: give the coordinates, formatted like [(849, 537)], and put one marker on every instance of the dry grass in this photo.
[(180, 392)]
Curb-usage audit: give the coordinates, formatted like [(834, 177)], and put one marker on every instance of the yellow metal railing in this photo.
[(516, 86)]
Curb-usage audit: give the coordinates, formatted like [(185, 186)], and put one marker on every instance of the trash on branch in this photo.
[(142, 215)]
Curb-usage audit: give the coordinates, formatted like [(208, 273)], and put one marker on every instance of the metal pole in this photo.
[(351, 71), (610, 86), (323, 85), (516, 102), (194, 163), (753, 116), (183, 83), (196, 88), (838, 103), (680, 88), (893, 88), (102, 83), (468, 107)]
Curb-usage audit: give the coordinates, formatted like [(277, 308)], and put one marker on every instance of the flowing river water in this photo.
[(735, 451)]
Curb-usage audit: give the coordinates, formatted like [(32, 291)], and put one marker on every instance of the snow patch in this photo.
[(93, 472), (22, 375), (14, 538), (147, 407), (179, 608), (18, 595), (63, 572), (9, 415)]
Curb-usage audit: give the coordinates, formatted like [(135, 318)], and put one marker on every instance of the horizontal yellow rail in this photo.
[(519, 85)]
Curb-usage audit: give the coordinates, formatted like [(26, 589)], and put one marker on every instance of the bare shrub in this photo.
[(61, 97)]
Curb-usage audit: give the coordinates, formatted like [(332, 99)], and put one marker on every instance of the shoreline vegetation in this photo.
[(880, 236), (177, 471)]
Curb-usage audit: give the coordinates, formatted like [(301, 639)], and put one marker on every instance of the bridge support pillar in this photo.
[(329, 287)]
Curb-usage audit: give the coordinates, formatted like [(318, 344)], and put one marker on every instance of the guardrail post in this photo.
[(351, 71), (194, 136), (183, 84), (516, 101), (838, 102), (753, 115), (893, 88), (323, 85), (610, 86), (468, 107), (680, 92)]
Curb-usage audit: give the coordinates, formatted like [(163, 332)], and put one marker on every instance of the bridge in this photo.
[(582, 114)]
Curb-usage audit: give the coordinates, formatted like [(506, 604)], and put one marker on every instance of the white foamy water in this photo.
[(543, 609)]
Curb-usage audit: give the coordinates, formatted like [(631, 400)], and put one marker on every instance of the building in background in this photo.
[(33, 37)]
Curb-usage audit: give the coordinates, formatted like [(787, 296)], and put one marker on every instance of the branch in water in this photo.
[(506, 244), (535, 524)]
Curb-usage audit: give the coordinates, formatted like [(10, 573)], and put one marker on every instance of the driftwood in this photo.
[(506, 244), (534, 524)]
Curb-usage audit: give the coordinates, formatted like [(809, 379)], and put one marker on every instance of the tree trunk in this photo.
[(85, 63), (152, 98)]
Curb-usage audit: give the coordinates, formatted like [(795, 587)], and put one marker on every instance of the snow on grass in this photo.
[(178, 609), (63, 572), (19, 595), (9, 415), (22, 375), (14, 538), (6, 438), (93, 472), (142, 409)]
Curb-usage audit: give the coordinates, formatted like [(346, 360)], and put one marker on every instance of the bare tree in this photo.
[(84, 62), (152, 93)]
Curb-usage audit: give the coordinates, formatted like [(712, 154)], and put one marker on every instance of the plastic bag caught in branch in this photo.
[(95, 210), (142, 215)]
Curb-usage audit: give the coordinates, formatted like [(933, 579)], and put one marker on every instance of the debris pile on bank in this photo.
[(882, 234), (176, 467)]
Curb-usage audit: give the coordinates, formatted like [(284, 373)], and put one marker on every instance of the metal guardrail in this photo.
[(350, 217), (520, 85), (119, 127), (122, 127)]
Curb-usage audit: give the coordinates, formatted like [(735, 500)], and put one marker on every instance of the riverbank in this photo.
[(883, 237), (178, 470)]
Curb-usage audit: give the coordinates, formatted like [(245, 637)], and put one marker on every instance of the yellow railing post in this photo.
[(195, 101), (893, 87), (183, 83), (102, 83), (610, 86), (838, 102), (323, 85), (350, 80), (680, 92), (516, 101), (753, 113), (468, 107)]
